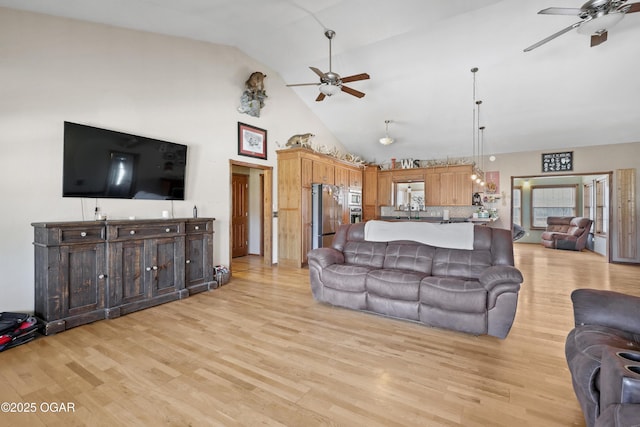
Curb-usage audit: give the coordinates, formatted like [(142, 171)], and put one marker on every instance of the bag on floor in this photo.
[(16, 329)]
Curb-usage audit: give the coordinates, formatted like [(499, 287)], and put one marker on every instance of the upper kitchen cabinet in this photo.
[(456, 187)]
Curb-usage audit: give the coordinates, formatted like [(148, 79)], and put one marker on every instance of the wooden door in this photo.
[(240, 215)]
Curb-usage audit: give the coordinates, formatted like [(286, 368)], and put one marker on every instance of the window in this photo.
[(516, 200), (557, 200)]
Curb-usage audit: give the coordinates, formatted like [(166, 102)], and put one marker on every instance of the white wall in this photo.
[(162, 87)]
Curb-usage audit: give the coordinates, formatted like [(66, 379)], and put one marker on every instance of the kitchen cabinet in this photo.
[(92, 270), (342, 177), (323, 172), (298, 168), (355, 179), (456, 187), (408, 175), (385, 189), (443, 186), (370, 193), (432, 188)]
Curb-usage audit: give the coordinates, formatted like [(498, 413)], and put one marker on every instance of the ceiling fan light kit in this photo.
[(329, 89), (598, 16), (331, 83)]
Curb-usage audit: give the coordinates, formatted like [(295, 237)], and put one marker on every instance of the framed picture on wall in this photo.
[(252, 141), (557, 162)]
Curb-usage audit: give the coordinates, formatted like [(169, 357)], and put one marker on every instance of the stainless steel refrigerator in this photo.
[(326, 214)]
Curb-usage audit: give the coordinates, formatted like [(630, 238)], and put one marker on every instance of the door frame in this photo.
[(267, 202), (581, 174)]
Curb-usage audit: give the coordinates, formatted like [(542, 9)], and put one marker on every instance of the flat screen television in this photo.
[(101, 163)]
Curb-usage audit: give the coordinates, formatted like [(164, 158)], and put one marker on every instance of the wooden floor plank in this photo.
[(261, 351)]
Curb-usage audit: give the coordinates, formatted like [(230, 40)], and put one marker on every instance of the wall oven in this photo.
[(355, 215)]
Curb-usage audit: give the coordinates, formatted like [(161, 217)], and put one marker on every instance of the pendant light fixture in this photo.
[(386, 140), (477, 174)]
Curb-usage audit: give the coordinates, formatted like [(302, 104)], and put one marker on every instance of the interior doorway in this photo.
[(250, 228), (592, 198)]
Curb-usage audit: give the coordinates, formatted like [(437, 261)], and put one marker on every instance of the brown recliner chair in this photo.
[(566, 232)]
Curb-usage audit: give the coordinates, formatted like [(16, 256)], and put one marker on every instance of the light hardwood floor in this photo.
[(261, 351)]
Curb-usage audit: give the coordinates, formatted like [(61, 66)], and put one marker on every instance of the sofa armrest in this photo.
[(500, 279), (606, 308), (501, 275), (324, 257)]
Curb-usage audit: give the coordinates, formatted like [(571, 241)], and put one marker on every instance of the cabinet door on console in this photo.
[(199, 262), (145, 272), (127, 283), (165, 262), (70, 274), (82, 281)]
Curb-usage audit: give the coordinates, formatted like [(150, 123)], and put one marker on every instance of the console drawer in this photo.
[(143, 231), (198, 226), (82, 234)]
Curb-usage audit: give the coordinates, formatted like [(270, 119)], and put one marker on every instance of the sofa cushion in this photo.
[(394, 284), (369, 254), (345, 277), (393, 307), (460, 263), (409, 256), (455, 294)]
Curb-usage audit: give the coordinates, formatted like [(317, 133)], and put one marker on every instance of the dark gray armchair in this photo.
[(603, 354)]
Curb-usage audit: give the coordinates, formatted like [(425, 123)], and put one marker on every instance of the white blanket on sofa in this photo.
[(452, 236)]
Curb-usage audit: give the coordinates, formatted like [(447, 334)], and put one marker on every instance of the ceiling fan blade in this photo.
[(320, 97), (597, 39), (635, 7), (318, 72), (304, 84), (355, 78), (553, 36), (353, 92), (561, 11)]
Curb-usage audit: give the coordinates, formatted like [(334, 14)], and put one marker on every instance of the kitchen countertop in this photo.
[(437, 219)]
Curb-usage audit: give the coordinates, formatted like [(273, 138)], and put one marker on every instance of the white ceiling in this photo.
[(419, 54)]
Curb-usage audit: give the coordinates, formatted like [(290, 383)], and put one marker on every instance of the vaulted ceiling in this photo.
[(419, 54)]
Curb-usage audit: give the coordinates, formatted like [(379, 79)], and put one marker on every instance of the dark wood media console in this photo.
[(92, 270)]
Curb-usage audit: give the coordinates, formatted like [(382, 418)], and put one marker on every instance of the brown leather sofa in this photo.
[(603, 354), (473, 291), (566, 232)]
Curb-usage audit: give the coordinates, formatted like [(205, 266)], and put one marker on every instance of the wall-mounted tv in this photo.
[(101, 163)]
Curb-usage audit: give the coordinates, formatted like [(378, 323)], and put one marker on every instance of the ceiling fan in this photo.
[(598, 16), (330, 82)]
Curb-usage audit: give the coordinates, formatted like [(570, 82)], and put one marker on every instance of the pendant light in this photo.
[(386, 140), (474, 126), (477, 173)]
